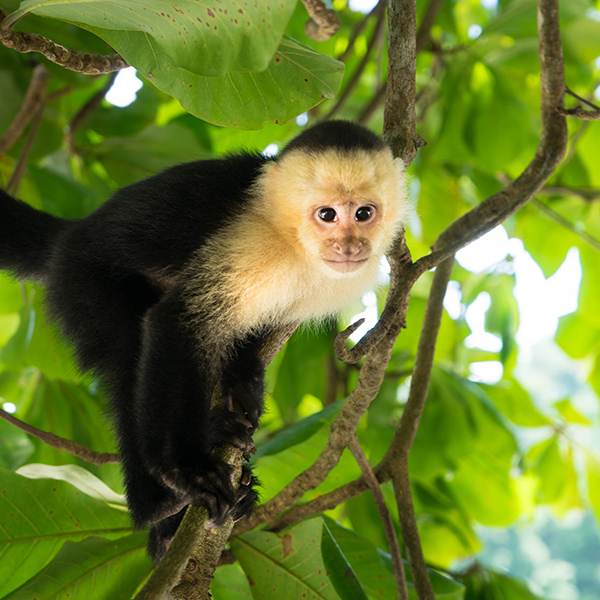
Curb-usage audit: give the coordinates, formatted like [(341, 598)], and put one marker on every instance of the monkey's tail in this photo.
[(27, 237)]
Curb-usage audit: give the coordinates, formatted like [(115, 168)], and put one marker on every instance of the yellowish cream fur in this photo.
[(265, 267)]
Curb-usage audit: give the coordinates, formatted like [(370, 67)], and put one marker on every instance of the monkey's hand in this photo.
[(230, 427), (207, 484)]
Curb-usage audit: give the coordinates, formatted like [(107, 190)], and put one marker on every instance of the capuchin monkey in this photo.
[(169, 289)]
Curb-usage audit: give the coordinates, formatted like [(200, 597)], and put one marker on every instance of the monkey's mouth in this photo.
[(345, 266)]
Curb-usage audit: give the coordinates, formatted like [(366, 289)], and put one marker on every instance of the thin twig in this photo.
[(94, 458), (586, 237), (376, 38), (359, 29), (34, 99), (384, 513), (86, 110), (15, 179), (587, 194), (429, 18)]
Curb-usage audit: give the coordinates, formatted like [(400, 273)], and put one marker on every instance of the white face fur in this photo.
[(343, 209)]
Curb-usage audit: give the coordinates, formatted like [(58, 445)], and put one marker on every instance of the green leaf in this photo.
[(206, 40), (299, 432), (297, 79), (375, 571), (154, 149), (342, 576), (77, 476), (230, 583), (483, 584), (287, 566), (513, 400), (10, 294), (95, 569), (38, 515)]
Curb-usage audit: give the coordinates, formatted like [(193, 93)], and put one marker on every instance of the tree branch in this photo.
[(34, 100), (94, 458), (373, 42), (384, 513), (86, 110), (579, 111), (91, 64), (586, 237)]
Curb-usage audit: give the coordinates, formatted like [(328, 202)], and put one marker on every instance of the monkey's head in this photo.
[(343, 204)]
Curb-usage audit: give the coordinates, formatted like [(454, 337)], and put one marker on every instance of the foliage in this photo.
[(486, 454)]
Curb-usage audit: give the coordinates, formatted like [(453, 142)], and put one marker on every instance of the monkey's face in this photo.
[(344, 229), (338, 210)]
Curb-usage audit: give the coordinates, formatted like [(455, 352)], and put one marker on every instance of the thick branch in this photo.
[(342, 431), (92, 64), (94, 458), (34, 100), (399, 115), (188, 565)]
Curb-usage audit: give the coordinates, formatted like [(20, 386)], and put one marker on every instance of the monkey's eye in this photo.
[(364, 213), (327, 214)]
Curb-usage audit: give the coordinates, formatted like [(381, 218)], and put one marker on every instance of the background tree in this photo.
[(495, 446)]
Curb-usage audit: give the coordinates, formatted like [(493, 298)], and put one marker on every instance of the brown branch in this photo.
[(359, 29), (342, 430), (399, 114), (579, 111), (86, 110), (91, 64), (323, 23), (94, 458), (33, 101), (586, 237), (15, 179), (376, 38), (384, 513), (409, 423), (429, 18), (188, 566), (170, 568), (587, 194)]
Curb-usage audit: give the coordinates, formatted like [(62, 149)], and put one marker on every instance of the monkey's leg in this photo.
[(177, 428)]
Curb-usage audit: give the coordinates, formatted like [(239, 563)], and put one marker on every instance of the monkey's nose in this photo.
[(348, 247)]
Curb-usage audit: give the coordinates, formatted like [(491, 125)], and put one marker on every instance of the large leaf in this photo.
[(296, 79), (286, 567), (38, 515), (374, 568), (95, 569), (197, 36)]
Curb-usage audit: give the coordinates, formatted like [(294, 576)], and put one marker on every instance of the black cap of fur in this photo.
[(342, 135)]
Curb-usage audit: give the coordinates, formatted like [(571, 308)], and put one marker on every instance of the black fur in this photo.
[(111, 282), (114, 284), (342, 135)]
